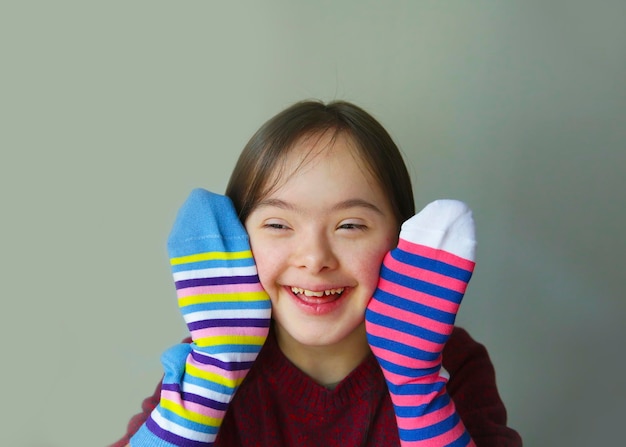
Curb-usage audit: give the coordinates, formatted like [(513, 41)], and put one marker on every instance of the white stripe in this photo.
[(226, 313), (231, 357), (179, 430), (215, 272)]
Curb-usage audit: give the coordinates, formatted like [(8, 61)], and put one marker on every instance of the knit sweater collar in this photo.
[(304, 391)]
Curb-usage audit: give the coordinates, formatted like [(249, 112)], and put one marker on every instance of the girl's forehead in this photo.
[(324, 164), (310, 150)]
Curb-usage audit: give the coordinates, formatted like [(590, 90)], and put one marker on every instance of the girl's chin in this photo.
[(347, 339)]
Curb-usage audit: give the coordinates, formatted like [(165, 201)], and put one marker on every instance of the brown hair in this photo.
[(266, 150)]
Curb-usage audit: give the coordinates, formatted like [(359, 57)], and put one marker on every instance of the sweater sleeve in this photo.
[(148, 404), (472, 387)]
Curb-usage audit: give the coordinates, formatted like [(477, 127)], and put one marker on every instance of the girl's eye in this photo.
[(275, 226), (352, 226)]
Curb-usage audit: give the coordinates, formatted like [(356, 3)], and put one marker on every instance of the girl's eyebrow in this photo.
[(277, 203), (344, 205), (356, 203)]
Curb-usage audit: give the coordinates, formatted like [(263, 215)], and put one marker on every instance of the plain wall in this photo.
[(112, 111)]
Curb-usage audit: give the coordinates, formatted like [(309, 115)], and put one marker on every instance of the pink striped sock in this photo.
[(411, 317)]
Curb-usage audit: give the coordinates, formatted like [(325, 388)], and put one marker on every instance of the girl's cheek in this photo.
[(268, 285), (266, 269), (374, 266), (262, 271)]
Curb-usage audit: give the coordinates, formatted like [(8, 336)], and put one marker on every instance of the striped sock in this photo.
[(227, 313), (411, 317)]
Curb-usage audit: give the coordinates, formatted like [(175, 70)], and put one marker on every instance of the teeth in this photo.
[(311, 293), (321, 293)]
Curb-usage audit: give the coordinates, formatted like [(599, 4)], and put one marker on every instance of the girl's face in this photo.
[(319, 240)]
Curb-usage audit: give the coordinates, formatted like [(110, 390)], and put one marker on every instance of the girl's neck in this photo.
[(327, 365)]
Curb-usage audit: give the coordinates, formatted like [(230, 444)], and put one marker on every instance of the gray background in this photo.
[(112, 111)]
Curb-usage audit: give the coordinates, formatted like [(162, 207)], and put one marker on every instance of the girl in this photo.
[(353, 353)]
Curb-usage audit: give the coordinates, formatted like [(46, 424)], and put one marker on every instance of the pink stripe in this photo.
[(427, 419), (233, 332), (443, 439), (434, 253), (404, 338), (426, 275), (400, 379), (230, 288), (417, 296), (415, 319), (192, 406)]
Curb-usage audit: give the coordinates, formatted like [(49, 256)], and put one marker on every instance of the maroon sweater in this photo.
[(278, 405)]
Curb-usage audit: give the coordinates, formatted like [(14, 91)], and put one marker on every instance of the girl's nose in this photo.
[(315, 253)]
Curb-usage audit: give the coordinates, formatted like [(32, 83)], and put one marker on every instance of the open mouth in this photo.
[(336, 293), (318, 302)]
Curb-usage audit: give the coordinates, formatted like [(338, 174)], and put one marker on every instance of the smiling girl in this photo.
[(318, 239), (322, 192)]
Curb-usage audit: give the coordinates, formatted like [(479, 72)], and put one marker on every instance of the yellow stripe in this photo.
[(212, 377), (219, 340), (222, 297), (211, 256), (190, 415)]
